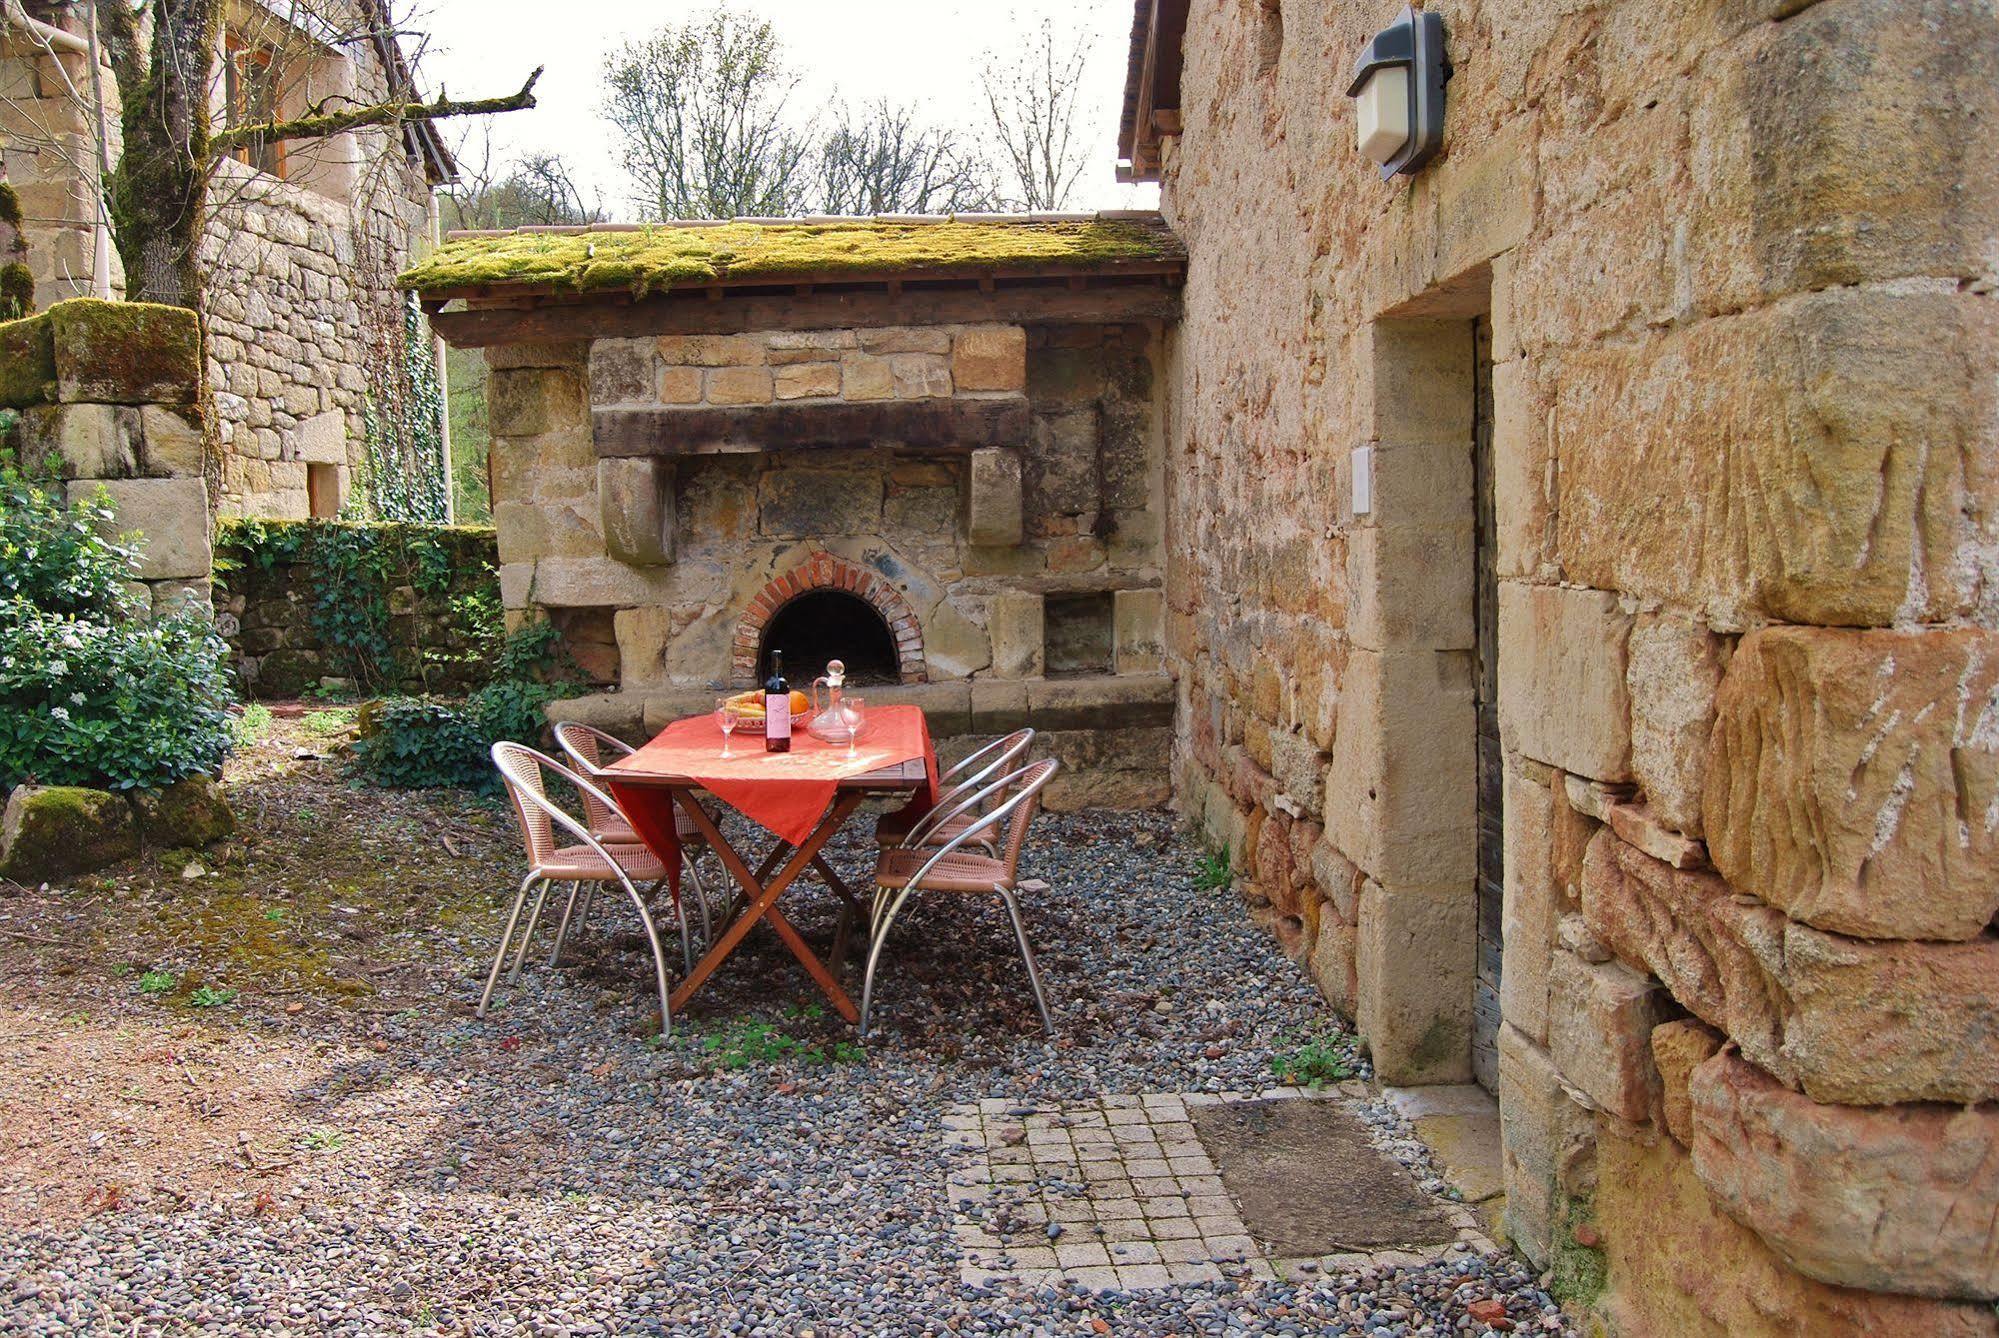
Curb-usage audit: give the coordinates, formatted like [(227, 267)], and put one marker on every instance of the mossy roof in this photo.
[(657, 258)]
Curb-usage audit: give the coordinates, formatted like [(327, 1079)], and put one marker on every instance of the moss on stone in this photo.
[(10, 214), (17, 290), (125, 352), (657, 259), (1579, 1272), (50, 831), (27, 362)]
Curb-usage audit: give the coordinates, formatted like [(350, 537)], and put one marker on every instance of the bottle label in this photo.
[(777, 715)]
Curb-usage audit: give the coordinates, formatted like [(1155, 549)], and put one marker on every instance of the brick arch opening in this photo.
[(823, 571)]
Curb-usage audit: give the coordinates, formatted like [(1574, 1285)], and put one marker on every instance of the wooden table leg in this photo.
[(762, 897)]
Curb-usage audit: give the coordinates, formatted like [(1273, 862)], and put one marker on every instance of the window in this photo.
[(250, 92)]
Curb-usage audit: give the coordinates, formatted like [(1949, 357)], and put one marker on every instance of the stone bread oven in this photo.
[(948, 475)]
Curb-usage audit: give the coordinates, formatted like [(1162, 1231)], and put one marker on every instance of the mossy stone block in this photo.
[(51, 831), (125, 352), (189, 813), (27, 362)]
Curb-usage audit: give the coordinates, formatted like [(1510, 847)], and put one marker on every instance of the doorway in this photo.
[(1491, 767)]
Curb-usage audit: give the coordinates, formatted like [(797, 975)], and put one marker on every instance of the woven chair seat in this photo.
[(956, 872), (581, 862), (894, 833), (616, 832)]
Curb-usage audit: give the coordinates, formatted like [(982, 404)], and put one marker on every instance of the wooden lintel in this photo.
[(1166, 120), (1042, 304), (933, 424)]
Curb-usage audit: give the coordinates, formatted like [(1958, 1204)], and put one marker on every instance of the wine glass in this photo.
[(853, 708), (725, 718)]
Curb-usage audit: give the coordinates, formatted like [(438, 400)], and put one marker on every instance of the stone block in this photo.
[(27, 362), (622, 371), (191, 812), (1600, 1021), (322, 438), (1842, 1019), (643, 636), (83, 441), (1637, 825), (803, 503), (1402, 797), (50, 832), (635, 498), (570, 353), (1421, 384), (1396, 599), (993, 501), (1853, 778), (1523, 472), (935, 339), (953, 645), (1061, 473), (584, 582), (1679, 1265), (1014, 619), (1896, 1199), (1562, 666), (679, 385), (1415, 957), (738, 385), (712, 350), (920, 376), (989, 357), (125, 352), (866, 378), (807, 380), (532, 401), (1678, 1048), (1823, 451), (1545, 1139), (1485, 198), (1672, 673), (1530, 908), (1138, 626), (170, 518)]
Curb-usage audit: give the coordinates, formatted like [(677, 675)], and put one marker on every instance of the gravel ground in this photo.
[(552, 1171)]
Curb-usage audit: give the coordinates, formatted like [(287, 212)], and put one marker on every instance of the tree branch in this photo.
[(383, 113)]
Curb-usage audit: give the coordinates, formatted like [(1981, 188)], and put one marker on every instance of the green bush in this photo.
[(90, 693)]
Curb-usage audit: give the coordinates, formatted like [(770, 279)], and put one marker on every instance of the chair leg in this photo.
[(880, 937), (658, 958), (527, 934), (569, 905), (500, 953), (701, 901), (1027, 956)]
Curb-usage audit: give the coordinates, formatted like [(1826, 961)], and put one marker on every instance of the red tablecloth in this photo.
[(785, 793)]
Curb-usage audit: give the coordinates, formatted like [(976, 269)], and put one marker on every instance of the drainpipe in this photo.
[(53, 39)]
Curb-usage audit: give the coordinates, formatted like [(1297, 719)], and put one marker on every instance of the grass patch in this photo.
[(155, 984), (1213, 871), (745, 1042), (252, 725), (327, 724)]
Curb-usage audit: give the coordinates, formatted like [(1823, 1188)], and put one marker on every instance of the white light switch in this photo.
[(1363, 480)]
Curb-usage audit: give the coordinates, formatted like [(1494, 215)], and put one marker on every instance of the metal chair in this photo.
[(586, 746), (1003, 811), (994, 759), (591, 862)]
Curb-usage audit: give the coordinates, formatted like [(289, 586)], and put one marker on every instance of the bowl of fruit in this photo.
[(748, 710)]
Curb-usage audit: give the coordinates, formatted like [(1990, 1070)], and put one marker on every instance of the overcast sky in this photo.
[(923, 51)]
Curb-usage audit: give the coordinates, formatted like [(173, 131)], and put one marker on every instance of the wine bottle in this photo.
[(777, 707)]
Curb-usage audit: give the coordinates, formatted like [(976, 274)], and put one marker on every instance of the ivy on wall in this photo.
[(403, 474)]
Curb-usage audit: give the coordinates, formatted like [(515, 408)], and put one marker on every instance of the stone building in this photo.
[(930, 448), (1580, 577), (304, 245)]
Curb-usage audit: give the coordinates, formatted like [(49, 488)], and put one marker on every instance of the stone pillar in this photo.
[(1015, 622), (1137, 631), (993, 511)]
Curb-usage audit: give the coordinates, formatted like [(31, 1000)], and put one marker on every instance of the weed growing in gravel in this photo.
[(1313, 1063), (1213, 872), (156, 983), (327, 724), (209, 997), (744, 1043), (323, 1140), (252, 725)]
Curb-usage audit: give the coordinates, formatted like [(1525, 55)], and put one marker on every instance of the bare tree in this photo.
[(1032, 98), (883, 160), (166, 57), (701, 107), (534, 190)]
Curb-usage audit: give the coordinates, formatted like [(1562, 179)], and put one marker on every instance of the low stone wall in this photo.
[(374, 608), (108, 395)]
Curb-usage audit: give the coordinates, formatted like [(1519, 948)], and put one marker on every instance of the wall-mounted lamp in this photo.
[(1398, 92)]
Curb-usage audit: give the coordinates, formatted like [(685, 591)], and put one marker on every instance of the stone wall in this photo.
[(1736, 267), (269, 608), (107, 397), (683, 555), (303, 310)]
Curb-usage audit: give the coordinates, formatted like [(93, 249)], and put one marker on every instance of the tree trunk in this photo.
[(159, 191)]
